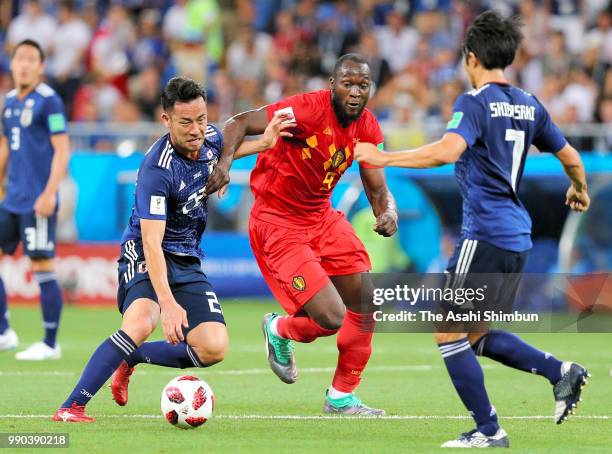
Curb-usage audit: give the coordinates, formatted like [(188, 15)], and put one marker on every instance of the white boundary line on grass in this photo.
[(316, 417), (257, 371)]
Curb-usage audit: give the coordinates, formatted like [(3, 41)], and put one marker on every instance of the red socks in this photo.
[(354, 343), (301, 328), (355, 348)]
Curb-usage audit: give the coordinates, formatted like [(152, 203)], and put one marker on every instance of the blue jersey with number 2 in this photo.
[(499, 123)]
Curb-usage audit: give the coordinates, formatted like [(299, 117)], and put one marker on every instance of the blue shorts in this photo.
[(478, 264), (189, 285), (37, 233)]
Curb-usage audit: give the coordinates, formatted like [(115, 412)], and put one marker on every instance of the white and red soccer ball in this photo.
[(187, 402)]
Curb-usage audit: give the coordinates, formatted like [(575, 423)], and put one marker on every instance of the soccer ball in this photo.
[(187, 402)]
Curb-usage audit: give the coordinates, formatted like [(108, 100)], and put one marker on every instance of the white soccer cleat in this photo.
[(39, 352), (8, 340), (475, 439)]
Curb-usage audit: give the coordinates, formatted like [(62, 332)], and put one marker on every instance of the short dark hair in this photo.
[(67, 4), (494, 39), (354, 57), (32, 43), (181, 89)]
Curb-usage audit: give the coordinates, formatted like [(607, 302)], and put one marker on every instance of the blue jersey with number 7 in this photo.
[(499, 123)]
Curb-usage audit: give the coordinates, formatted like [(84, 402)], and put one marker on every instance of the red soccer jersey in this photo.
[(292, 182)]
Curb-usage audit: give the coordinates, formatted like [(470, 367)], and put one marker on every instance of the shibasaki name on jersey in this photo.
[(171, 187), (499, 123)]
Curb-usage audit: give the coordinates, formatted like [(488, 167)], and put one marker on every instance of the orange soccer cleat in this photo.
[(76, 413), (120, 382)]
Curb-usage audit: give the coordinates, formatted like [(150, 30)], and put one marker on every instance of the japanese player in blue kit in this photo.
[(34, 153), (160, 274), (488, 138)]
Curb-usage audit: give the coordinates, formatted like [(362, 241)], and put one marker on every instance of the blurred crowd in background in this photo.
[(109, 59)]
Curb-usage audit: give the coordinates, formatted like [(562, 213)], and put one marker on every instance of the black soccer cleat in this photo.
[(567, 390)]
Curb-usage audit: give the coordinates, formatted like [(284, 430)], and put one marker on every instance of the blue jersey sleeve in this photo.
[(468, 115), (214, 139), (55, 117), (152, 192), (548, 138)]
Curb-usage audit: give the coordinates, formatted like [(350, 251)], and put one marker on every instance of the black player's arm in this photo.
[(577, 197), (251, 122), (444, 151), (277, 127), (381, 200), (152, 231), (59, 164)]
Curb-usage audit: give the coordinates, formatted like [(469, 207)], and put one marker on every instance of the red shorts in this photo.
[(296, 263)]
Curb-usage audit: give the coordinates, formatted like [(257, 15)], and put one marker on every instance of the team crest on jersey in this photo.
[(299, 283), (142, 267), (338, 158), (26, 116)]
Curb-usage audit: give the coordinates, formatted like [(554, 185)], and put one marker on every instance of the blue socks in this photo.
[(51, 302), (467, 376), (512, 351), (102, 364), (4, 324), (162, 353)]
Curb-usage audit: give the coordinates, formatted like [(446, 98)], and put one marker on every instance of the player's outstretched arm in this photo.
[(251, 122), (46, 201), (577, 197), (276, 128), (445, 151), (381, 200), (173, 316)]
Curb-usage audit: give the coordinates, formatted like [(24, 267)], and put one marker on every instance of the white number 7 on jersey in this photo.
[(518, 137)]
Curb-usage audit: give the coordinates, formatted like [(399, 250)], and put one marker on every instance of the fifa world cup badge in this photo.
[(26, 115)]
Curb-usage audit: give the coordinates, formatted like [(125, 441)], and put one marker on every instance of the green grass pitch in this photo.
[(257, 413)]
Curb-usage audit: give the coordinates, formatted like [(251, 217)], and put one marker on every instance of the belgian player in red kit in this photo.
[(308, 252)]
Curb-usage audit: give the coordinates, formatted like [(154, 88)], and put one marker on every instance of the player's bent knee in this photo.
[(140, 320), (331, 320), (42, 265), (210, 354), (138, 331), (209, 342), (442, 338)]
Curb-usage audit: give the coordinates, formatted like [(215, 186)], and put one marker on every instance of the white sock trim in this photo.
[(273, 328), (333, 393)]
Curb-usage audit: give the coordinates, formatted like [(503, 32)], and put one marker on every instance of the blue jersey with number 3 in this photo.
[(28, 124), (499, 123)]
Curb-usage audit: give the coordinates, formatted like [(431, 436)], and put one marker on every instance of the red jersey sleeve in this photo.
[(307, 109), (371, 133)]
